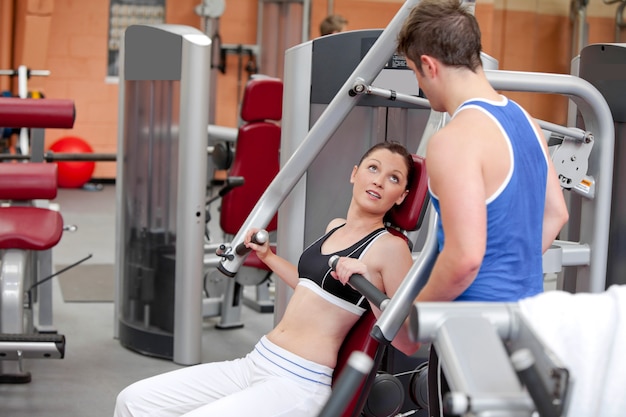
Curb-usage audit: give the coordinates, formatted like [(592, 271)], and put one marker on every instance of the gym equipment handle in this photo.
[(357, 369), (524, 363), (362, 285), (259, 238)]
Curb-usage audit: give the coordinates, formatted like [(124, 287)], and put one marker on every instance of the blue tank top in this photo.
[(512, 265)]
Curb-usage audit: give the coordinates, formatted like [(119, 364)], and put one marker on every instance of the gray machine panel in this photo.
[(604, 66), (372, 120), (164, 100), (336, 56), (144, 58)]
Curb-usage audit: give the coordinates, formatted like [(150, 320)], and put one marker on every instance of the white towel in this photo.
[(588, 333)]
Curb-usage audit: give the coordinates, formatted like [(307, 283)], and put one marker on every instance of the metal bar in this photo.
[(31, 73), (426, 318), (16, 350), (52, 157), (99, 157), (571, 132), (360, 88), (190, 212), (228, 134)]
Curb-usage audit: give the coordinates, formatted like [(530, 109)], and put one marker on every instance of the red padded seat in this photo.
[(29, 228), (23, 226), (408, 216)]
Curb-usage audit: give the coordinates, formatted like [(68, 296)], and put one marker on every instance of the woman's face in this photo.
[(380, 180)]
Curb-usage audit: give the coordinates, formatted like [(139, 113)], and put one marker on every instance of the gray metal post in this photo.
[(44, 314), (165, 92), (194, 115)]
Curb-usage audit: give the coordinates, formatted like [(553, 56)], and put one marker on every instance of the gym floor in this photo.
[(96, 367)]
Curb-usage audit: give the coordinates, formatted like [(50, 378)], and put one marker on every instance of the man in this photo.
[(333, 23), (491, 179)]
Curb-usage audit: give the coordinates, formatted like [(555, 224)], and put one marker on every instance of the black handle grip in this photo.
[(358, 367), (231, 182), (362, 285), (259, 238), (524, 363)]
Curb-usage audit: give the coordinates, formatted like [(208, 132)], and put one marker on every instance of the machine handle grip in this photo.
[(524, 363), (362, 285), (231, 182), (259, 238), (358, 367)]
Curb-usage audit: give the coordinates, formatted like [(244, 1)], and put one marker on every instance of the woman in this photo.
[(289, 371)]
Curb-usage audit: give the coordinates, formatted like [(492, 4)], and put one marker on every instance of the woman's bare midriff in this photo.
[(312, 327)]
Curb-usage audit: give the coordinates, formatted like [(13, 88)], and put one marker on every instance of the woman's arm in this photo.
[(385, 265), (555, 213), (284, 269), (399, 261)]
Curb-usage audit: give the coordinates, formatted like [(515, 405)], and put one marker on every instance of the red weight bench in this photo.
[(256, 160), (404, 218), (27, 233), (25, 230)]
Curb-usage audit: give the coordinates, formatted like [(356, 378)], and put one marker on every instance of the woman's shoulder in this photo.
[(388, 253), (334, 223), (390, 246), (395, 240)]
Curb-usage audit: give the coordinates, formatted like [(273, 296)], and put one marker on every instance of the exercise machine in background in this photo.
[(160, 190), (162, 187), (29, 229)]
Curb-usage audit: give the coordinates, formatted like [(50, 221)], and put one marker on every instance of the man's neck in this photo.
[(463, 85)]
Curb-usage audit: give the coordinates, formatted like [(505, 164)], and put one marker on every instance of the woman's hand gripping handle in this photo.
[(362, 285), (258, 238)]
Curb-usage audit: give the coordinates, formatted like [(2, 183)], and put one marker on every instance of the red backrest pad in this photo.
[(257, 157), (262, 100), (408, 216), (28, 181)]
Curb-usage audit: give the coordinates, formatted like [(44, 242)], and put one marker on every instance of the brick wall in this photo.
[(520, 37)]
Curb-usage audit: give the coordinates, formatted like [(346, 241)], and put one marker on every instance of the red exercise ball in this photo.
[(73, 174)]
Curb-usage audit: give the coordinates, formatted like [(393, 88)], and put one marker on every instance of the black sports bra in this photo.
[(314, 272)]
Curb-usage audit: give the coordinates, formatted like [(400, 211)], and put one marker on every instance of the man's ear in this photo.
[(429, 65)]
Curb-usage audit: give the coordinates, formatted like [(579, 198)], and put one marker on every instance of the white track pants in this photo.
[(269, 381)]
